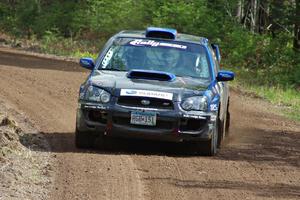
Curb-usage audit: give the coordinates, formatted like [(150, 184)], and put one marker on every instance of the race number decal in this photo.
[(213, 107)]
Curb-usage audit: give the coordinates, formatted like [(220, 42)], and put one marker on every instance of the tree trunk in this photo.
[(263, 14), (246, 20), (240, 11), (297, 27), (249, 18), (276, 13), (253, 15)]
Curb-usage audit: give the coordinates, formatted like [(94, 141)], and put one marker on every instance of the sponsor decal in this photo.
[(213, 107), (216, 89), (131, 92), (153, 43), (146, 93), (107, 58), (101, 107), (226, 75), (85, 62), (194, 116)]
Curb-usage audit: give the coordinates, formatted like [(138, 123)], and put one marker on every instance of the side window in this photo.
[(201, 66), (216, 63)]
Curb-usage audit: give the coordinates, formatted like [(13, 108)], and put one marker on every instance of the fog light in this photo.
[(213, 118), (105, 97)]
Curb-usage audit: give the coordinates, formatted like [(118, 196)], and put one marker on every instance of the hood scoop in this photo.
[(151, 75)]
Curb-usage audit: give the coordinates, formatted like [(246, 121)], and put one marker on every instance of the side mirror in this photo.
[(216, 49), (87, 63), (225, 76)]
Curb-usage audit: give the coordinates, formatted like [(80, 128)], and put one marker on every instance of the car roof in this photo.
[(179, 36)]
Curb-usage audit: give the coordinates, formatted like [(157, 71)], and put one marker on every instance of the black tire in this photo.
[(221, 132), (209, 148), (224, 127), (228, 124), (84, 140)]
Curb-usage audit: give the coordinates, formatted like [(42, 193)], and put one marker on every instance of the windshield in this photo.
[(179, 58)]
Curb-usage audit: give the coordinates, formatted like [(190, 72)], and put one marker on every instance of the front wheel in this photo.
[(210, 147)]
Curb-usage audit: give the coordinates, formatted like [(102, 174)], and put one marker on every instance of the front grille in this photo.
[(160, 124), (153, 102)]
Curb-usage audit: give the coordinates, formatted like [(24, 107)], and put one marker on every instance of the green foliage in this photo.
[(181, 16), (261, 60), (112, 16), (80, 54), (7, 20), (27, 13), (193, 17), (288, 99)]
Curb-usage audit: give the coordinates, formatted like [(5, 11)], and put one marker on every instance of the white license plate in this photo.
[(143, 118)]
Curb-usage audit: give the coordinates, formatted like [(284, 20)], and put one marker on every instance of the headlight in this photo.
[(195, 103), (95, 94)]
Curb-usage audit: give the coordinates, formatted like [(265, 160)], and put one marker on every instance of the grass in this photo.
[(80, 54), (70, 47), (288, 99)]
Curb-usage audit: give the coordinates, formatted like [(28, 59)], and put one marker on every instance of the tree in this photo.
[(240, 10), (27, 12), (297, 27), (263, 16), (276, 17)]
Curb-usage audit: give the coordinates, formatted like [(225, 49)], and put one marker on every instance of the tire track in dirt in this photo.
[(178, 171)]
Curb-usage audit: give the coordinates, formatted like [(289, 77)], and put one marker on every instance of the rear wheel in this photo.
[(224, 126), (227, 123), (222, 130)]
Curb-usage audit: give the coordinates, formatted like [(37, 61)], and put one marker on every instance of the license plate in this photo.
[(143, 118)]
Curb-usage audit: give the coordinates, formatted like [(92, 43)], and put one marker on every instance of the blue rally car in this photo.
[(155, 84)]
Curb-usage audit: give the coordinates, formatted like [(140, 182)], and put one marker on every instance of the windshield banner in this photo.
[(153, 43)]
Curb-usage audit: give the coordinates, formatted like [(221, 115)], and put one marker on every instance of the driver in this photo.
[(171, 59), (135, 58)]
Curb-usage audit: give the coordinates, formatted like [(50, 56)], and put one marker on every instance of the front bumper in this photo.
[(172, 125)]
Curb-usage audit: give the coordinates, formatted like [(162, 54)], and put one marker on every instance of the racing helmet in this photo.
[(135, 57), (170, 57)]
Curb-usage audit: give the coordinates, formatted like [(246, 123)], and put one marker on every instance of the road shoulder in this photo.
[(25, 173)]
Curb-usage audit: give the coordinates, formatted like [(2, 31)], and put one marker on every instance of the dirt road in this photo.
[(260, 160)]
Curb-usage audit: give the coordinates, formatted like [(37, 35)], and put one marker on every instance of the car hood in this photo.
[(114, 81)]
